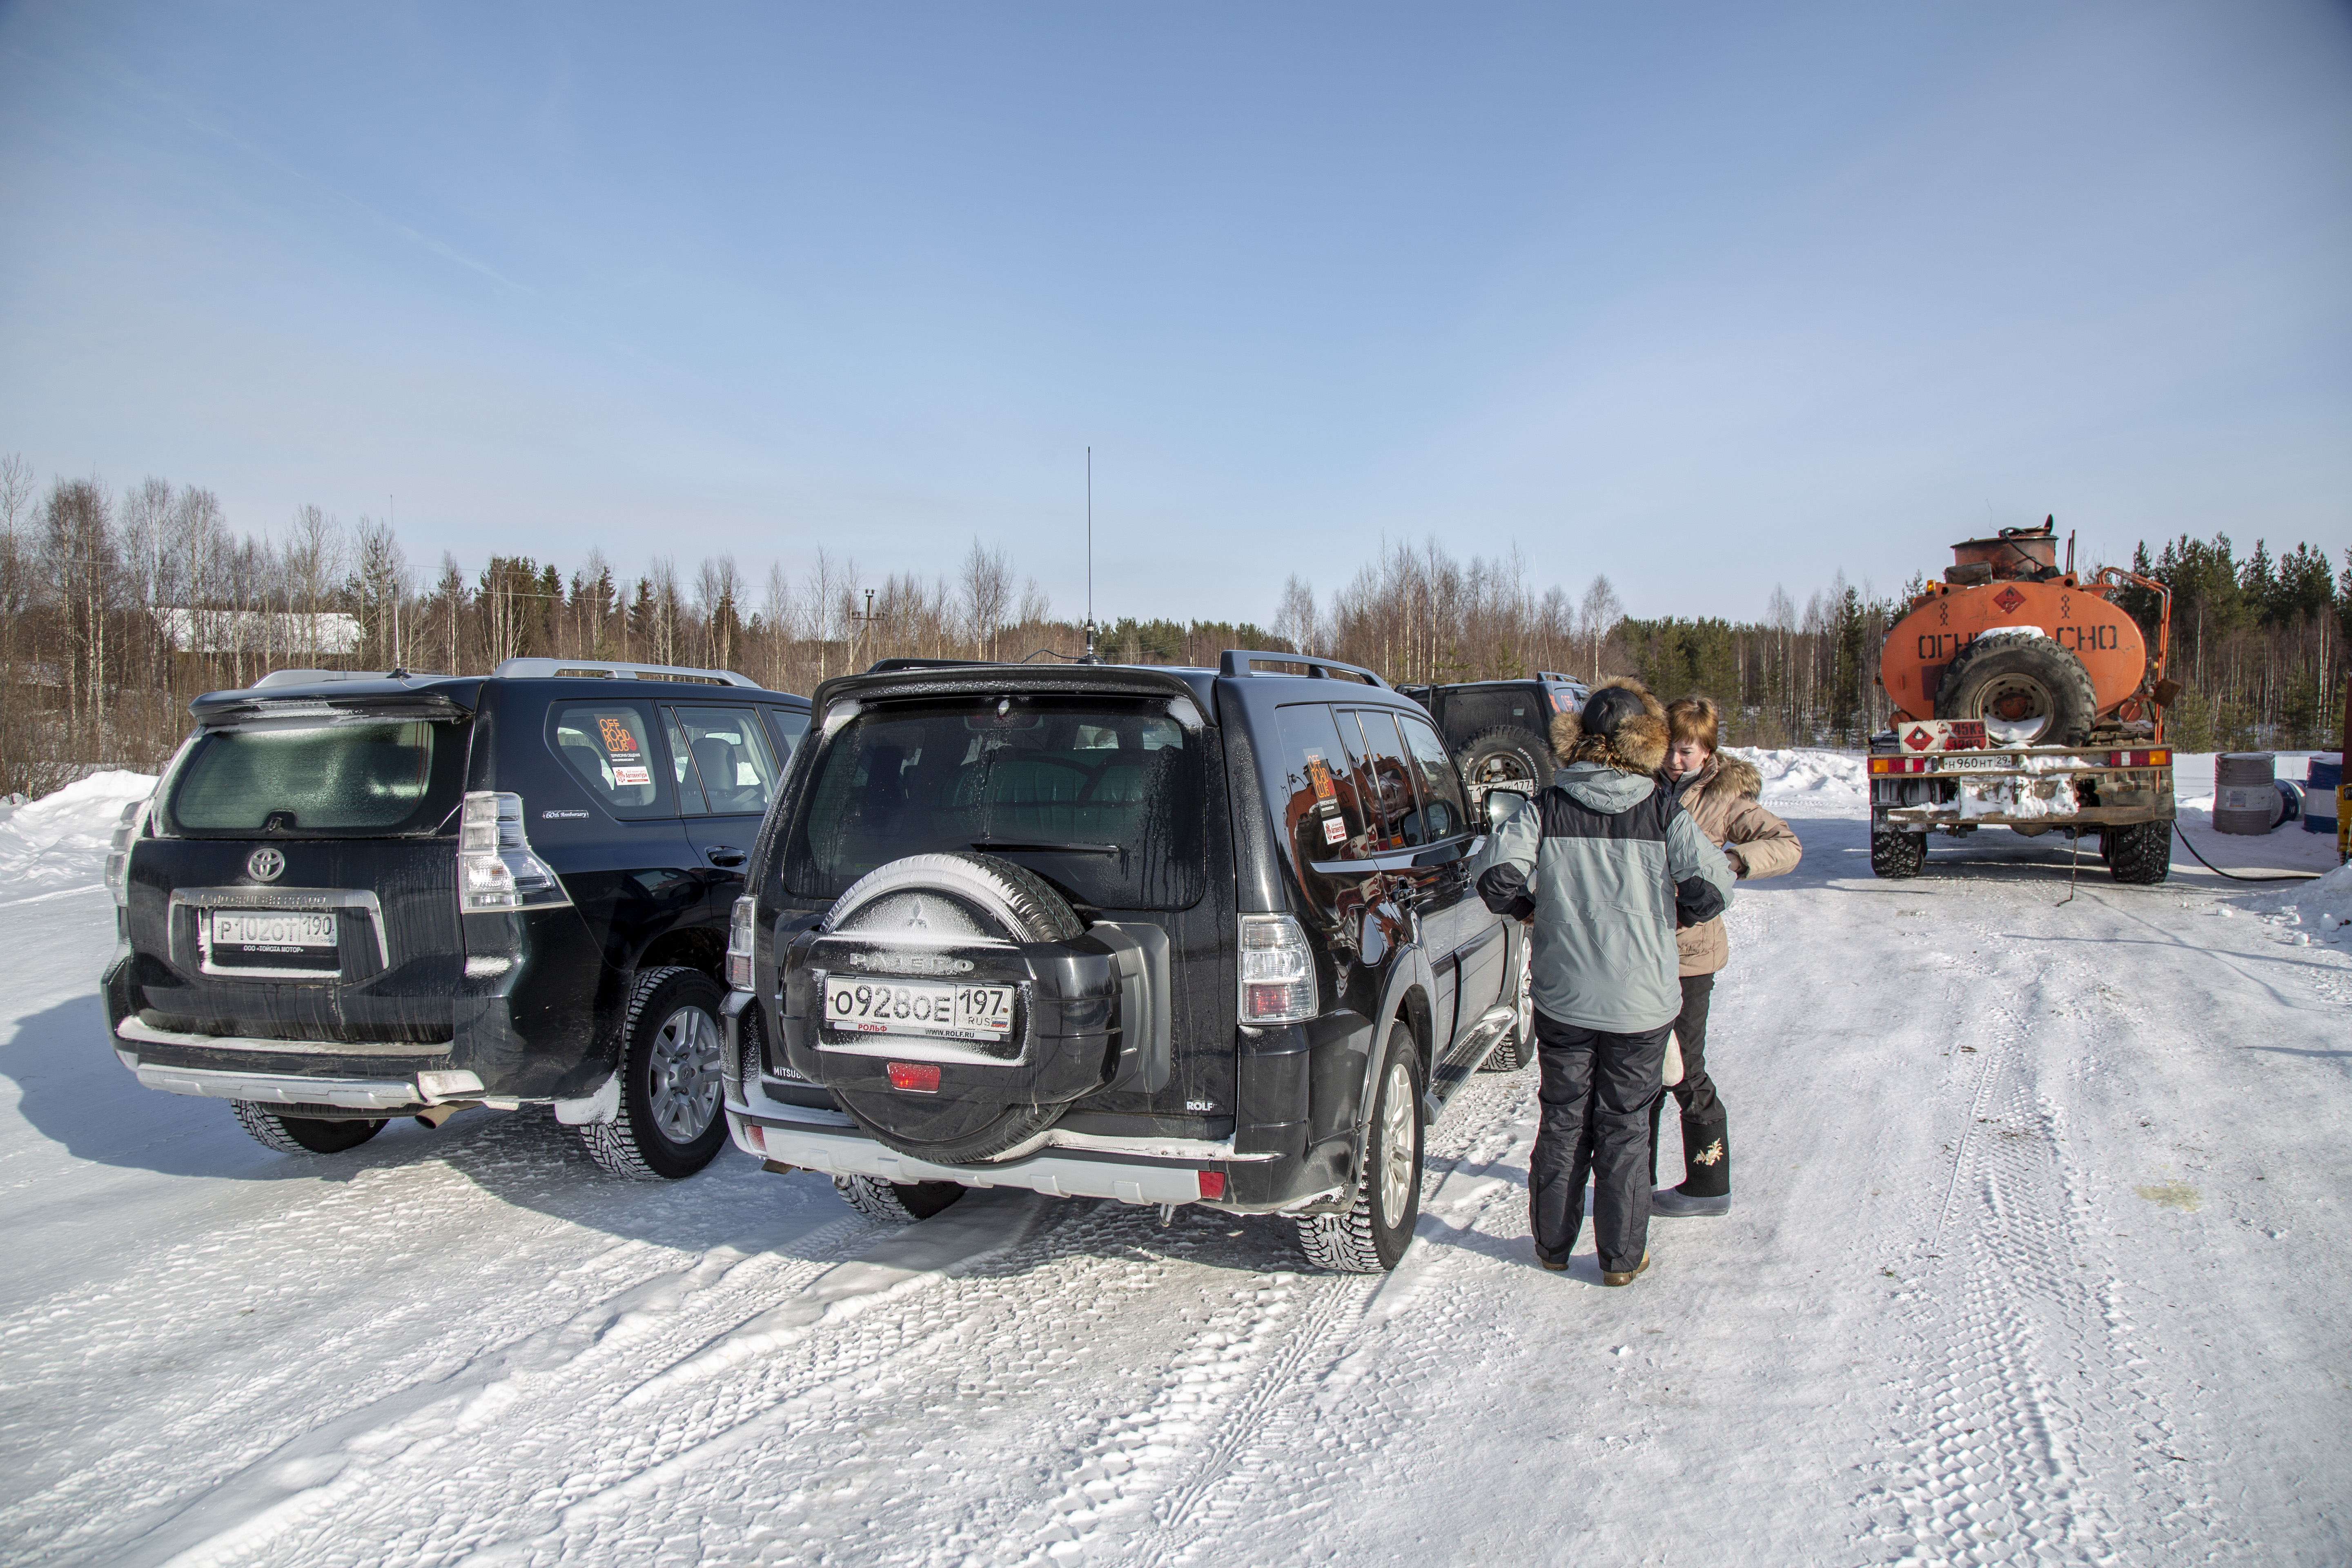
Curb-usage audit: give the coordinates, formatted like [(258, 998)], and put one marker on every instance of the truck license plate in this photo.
[(915, 1007), (273, 931), (1955, 762)]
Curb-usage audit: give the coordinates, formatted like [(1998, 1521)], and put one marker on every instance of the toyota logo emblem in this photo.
[(265, 864)]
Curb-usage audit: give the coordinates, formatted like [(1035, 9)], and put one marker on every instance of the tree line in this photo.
[(118, 607)]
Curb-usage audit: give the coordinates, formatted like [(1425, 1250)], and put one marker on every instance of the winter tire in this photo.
[(1506, 757), (1898, 854), (301, 1134), (996, 899), (903, 1203), (1370, 1237), (2138, 853), (1517, 1048), (2027, 689), (668, 1124)]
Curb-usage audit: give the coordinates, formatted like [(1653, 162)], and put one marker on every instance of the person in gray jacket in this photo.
[(1607, 865)]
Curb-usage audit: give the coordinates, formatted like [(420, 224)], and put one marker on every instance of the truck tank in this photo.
[(2037, 654)]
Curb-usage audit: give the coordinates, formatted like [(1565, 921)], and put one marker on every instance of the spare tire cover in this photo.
[(951, 895)]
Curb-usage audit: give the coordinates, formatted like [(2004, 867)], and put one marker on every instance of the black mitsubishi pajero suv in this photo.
[(1161, 936), (356, 896)]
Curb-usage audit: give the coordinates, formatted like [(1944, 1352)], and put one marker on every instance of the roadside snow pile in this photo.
[(1814, 778), (59, 841), (2321, 908)]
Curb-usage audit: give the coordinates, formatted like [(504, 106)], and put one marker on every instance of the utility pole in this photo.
[(864, 621)]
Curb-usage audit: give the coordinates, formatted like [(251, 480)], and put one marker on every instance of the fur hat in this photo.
[(1622, 727)]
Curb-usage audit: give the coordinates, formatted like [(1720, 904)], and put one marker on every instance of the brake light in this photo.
[(1212, 1183), (1898, 764), (496, 868), (2159, 759), (1277, 971), (117, 850), (739, 943), (915, 1078)]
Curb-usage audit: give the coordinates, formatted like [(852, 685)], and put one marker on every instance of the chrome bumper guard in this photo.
[(280, 1089), (834, 1147)]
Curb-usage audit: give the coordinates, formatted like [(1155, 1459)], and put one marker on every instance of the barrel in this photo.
[(2319, 794), (2245, 792)]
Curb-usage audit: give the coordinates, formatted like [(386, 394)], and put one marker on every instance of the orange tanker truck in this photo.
[(2024, 697)]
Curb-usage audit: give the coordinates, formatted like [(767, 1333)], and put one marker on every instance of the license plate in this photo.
[(273, 931), (918, 1007), (1954, 762)]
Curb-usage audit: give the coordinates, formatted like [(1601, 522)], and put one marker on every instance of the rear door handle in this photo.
[(726, 855)]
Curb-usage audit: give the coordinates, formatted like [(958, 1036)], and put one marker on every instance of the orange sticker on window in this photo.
[(1318, 772), (618, 739)]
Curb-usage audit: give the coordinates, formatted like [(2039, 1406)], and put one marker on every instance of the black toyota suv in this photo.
[(353, 896), (1161, 936), (1500, 729)]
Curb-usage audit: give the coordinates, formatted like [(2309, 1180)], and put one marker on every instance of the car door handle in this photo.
[(727, 854)]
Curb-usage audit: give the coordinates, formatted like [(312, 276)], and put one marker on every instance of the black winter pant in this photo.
[(1703, 1112), (1598, 1092)]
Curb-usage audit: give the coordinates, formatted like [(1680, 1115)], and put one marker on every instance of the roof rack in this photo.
[(1556, 674), (540, 668), (1240, 660)]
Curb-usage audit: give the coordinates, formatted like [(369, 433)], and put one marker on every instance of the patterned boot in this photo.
[(1706, 1184)]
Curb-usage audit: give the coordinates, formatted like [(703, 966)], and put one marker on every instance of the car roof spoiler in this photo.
[(338, 700)]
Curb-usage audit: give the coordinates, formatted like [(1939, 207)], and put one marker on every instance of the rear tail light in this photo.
[(1898, 764), (1212, 1184), (496, 868), (739, 943), (117, 850), (2158, 759), (1277, 971), (915, 1078)]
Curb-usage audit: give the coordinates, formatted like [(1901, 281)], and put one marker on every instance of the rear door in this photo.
[(725, 766), (299, 880), (1463, 927)]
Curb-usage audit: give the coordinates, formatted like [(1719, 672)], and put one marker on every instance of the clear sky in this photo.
[(1705, 297)]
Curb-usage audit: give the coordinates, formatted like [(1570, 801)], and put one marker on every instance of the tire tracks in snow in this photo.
[(2024, 1356)]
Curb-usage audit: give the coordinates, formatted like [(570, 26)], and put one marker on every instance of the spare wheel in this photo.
[(2027, 689), (933, 923)]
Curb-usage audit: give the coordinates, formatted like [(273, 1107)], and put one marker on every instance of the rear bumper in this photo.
[(1145, 1172), (139, 1047)]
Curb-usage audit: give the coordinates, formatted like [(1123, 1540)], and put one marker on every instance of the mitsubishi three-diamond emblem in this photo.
[(2009, 599)]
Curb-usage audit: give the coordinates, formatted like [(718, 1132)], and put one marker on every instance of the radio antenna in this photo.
[(1091, 656)]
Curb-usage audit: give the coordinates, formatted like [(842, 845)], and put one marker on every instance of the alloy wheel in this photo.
[(683, 1063), (1398, 1139)]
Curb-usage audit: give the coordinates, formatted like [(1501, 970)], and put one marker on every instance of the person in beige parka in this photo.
[(1719, 793)]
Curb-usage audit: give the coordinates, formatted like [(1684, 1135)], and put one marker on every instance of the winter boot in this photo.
[(1706, 1184), (1624, 1276)]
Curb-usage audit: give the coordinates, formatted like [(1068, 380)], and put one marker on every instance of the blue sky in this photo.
[(1703, 297)]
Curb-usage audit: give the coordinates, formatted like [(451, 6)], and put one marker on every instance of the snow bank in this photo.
[(59, 842), (2321, 908), (1808, 776)]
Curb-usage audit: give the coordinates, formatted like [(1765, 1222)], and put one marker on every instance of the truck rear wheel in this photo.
[(2027, 689), (1898, 854), (2138, 852)]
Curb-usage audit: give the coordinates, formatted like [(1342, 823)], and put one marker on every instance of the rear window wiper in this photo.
[(1049, 848)]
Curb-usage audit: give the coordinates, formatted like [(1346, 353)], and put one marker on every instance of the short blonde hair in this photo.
[(1694, 718)]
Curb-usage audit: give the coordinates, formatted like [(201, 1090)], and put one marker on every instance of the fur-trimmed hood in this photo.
[(1725, 778), (1638, 744)]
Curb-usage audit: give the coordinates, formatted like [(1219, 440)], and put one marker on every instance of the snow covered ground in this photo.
[(2039, 1255)]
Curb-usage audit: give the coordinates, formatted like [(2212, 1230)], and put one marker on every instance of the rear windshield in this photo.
[(1101, 797), (338, 781)]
